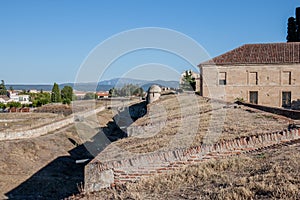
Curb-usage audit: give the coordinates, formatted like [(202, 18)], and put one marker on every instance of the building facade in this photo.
[(266, 74)]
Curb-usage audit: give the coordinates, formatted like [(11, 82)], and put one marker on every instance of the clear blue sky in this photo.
[(45, 41)]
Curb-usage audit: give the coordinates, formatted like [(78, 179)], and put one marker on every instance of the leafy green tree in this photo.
[(14, 104), (3, 90), (2, 106), (90, 95), (138, 91), (292, 30), (55, 94), (130, 89), (39, 99), (66, 101), (67, 94), (188, 82)]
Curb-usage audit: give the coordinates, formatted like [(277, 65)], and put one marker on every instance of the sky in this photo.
[(46, 41)]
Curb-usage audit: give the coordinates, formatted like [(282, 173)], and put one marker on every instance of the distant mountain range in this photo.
[(101, 86)]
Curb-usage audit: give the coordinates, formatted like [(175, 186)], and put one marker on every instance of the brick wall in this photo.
[(105, 174)]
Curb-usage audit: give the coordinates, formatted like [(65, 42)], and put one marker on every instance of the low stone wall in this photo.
[(293, 114), (105, 174), (46, 128)]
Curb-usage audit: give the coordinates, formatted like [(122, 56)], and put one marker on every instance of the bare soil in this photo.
[(42, 167)]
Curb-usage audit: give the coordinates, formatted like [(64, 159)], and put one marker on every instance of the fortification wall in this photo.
[(46, 128), (105, 174)]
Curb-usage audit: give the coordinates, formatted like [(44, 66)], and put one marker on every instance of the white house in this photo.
[(15, 97)]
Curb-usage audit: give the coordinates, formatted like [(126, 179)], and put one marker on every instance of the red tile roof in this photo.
[(5, 97), (272, 53)]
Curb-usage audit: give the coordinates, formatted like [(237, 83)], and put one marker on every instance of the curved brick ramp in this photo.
[(108, 173)]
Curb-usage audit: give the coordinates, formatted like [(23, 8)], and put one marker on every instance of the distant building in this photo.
[(266, 74), (101, 94), (79, 94), (15, 97), (33, 91), (195, 75), (4, 98)]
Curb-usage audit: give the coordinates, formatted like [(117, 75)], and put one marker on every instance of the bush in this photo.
[(66, 101), (14, 104), (2, 106)]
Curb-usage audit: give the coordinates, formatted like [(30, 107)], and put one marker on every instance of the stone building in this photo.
[(266, 74)]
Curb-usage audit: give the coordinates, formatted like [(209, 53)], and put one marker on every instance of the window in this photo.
[(253, 79), (222, 78), (286, 99), (286, 78), (253, 97)]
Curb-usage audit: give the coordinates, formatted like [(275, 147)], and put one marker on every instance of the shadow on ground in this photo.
[(62, 177)]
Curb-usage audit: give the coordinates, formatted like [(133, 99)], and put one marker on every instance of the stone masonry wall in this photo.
[(106, 174), (46, 128)]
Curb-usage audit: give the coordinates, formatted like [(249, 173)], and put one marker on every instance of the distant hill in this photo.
[(101, 86), (30, 87)]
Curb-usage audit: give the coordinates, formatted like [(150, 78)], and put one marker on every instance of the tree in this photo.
[(67, 94), (55, 94), (292, 30), (90, 95), (39, 99), (3, 90), (14, 104), (138, 92), (2, 106), (112, 92), (188, 81)]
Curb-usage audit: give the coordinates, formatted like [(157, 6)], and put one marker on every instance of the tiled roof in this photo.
[(5, 97), (271, 53)]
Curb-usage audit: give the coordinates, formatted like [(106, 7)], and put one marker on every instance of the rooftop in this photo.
[(269, 53)]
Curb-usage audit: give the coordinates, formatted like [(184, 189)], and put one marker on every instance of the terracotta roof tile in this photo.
[(271, 53)]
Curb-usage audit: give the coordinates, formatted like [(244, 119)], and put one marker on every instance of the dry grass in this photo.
[(269, 174), (179, 122), (24, 121)]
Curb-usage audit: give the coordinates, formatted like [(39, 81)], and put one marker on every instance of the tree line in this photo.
[(64, 96), (126, 90)]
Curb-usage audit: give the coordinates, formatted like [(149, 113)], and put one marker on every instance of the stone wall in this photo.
[(105, 174), (46, 128), (294, 114)]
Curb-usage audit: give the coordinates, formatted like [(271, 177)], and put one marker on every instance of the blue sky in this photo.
[(47, 41)]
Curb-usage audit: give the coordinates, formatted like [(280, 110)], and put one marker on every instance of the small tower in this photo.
[(153, 93)]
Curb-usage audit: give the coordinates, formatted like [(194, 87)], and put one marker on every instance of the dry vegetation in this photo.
[(269, 174), (183, 121), (44, 167), (24, 121)]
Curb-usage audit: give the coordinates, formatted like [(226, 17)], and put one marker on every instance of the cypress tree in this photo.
[(55, 94), (3, 90), (292, 30)]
